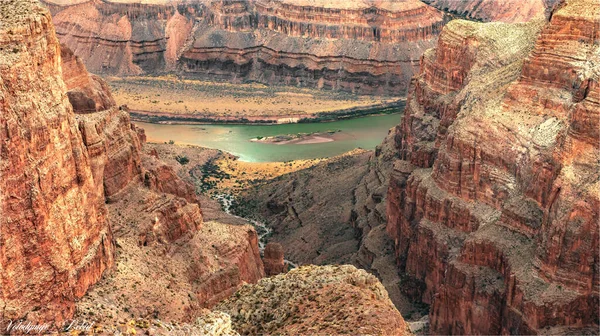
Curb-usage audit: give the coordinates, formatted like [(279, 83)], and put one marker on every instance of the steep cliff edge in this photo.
[(54, 230), (361, 47), (60, 163), (493, 204)]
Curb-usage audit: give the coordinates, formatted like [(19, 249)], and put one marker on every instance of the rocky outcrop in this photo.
[(481, 203), (273, 259), (115, 37), (54, 230), (112, 141), (87, 93), (495, 10), (113, 146), (336, 300)]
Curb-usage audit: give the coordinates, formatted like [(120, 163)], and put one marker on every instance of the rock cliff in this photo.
[(54, 228), (66, 148), (340, 300), (357, 46), (125, 38), (273, 259), (493, 201)]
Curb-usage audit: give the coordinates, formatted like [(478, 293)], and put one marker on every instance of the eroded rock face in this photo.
[(87, 93), (112, 141), (123, 38), (493, 150), (496, 10), (357, 46), (54, 230), (352, 46), (273, 259), (315, 300)]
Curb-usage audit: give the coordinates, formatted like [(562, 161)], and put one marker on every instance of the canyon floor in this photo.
[(156, 98)]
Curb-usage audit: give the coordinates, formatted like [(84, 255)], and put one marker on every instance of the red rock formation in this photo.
[(494, 205), (123, 38), (55, 237), (359, 46), (161, 177), (273, 259), (113, 146), (113, 143), (87, 93)]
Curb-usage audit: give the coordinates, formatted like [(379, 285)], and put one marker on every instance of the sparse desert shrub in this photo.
[(182, 159)]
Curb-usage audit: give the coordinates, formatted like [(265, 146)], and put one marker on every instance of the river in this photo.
[(366, 132)]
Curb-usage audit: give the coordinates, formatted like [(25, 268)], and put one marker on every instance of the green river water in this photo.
[(365, 132)]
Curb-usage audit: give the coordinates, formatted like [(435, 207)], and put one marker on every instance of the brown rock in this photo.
[(54, 231), (87, 93), (273, 259), (358, 46), (496, 10)]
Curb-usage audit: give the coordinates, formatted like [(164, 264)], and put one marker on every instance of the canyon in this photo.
[(478, 212), (487, 190), (96, 227)]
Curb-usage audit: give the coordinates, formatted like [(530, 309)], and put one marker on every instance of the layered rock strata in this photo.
[(124, 38), (60, 163), (54, 230), (112, 141), (359, 46), (493, 203), (340, 300)]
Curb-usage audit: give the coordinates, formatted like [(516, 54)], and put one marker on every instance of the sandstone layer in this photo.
[(364, 47), (493, 204), (55, 237), (339, 300), (123, 38), (359, 46)]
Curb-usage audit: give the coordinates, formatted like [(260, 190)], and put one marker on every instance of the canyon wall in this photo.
[(55, 237), (493, 202), (363, 47), (356, 46), (66, 149), (123, 38)]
